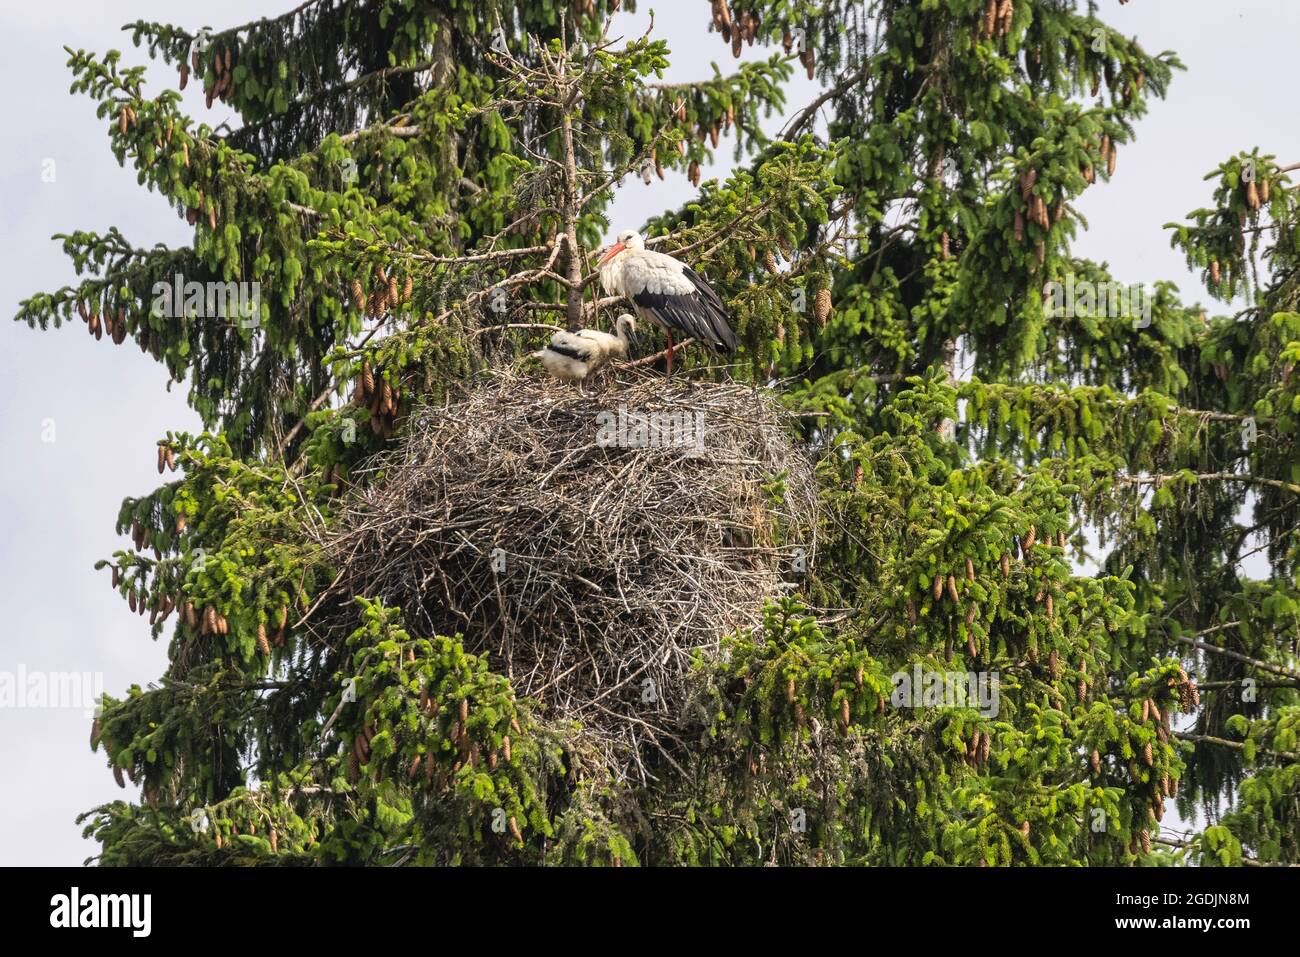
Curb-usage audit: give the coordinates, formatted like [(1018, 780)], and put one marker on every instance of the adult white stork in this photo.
[(667, 291), (573, 356)]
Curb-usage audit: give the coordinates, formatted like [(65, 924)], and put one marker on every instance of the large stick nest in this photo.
[(589, 572)]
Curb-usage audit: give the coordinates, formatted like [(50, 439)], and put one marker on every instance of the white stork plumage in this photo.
[(666, 291), (573, 356)]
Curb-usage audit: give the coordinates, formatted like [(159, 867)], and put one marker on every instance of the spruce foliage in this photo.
[(418, 186)]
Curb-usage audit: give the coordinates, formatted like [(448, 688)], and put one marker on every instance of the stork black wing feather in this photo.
[(700, 315), (724, 337), (578, 354), (681, 315)]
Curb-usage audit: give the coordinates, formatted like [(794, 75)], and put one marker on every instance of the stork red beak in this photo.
[(612, 252)]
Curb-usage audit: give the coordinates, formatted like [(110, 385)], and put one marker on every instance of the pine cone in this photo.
[(822, 306)]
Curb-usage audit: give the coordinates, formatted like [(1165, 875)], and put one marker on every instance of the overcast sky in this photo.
[(79, 420)]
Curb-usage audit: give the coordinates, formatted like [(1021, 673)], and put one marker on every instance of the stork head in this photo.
[(625, 326), (628, 239)]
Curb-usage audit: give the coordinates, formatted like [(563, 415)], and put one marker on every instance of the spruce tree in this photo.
[(418, 188)]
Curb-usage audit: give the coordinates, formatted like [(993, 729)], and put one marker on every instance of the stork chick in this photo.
[(572, 356), (668, 292)]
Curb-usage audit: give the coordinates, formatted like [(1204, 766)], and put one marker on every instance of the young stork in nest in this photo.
[(572, 356), (668, 292)]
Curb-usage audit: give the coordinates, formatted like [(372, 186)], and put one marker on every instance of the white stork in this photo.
[(573, 356), (666, 291)]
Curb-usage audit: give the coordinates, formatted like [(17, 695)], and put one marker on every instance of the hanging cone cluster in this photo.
[(374, 391), (127, 119), (385, 292), (1033, 209), (737, 31), (166, 458), (221, 79), (207, 208), (109, 319), (995, 20), (978, 748)]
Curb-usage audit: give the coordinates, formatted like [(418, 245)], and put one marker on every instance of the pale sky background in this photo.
[(107, 406)]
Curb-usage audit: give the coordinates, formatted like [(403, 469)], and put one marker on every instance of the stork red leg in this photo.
[(670, 352)]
